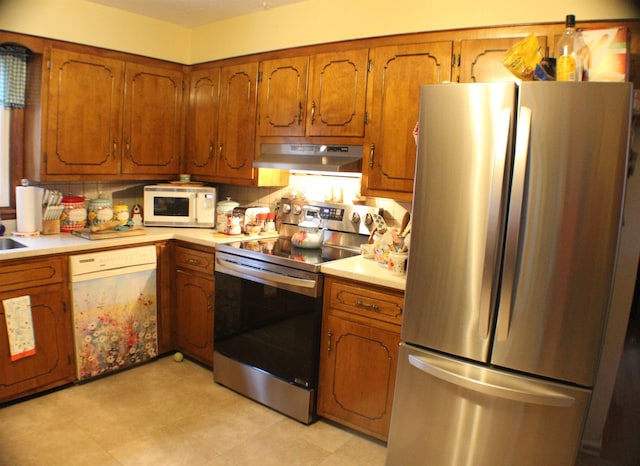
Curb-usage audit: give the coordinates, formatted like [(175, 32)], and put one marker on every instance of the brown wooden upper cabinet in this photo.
[(321, 95), (397, 71), (202, 122), (237, 121), (481, 59), (111, 117), (221, 127)]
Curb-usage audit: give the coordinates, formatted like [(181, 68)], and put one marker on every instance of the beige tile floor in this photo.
[(168, 413)]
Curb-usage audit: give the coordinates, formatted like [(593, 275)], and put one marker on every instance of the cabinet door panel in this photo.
[(357, 375), (395, 79), (202, 122), (83, 133), (338, 94), (53, 362), (152, 120), (282, 97), (237, 124), (194, 315), (481, 59)]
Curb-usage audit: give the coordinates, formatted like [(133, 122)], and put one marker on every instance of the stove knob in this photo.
[(368, 219), (297, 209), (355, 218), (286, 208)]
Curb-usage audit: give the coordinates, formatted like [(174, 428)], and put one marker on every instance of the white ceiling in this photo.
[(193, 13)]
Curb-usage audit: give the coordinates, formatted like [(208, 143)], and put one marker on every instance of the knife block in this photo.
[(51, 227)]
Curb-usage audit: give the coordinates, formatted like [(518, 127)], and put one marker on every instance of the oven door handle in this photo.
[(248, 272)]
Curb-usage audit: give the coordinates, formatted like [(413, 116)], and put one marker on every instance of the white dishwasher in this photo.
[(113, 295)]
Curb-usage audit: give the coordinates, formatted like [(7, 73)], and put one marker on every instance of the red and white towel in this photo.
[(17, 313)]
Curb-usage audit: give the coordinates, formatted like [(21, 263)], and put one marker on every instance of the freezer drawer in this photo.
[(449, 412)]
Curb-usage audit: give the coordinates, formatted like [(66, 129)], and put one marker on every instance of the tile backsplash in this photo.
[(312, 187)]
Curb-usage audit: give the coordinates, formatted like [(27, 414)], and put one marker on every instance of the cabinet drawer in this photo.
[(370, 302), (30, 273), (194, 260)]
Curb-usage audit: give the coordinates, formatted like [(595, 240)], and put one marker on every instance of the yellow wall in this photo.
[(308, 22), (94, 24)]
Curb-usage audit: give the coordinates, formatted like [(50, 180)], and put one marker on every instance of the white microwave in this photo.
[(179, 206)]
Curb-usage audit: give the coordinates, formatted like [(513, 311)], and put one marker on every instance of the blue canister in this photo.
[(99, 212)]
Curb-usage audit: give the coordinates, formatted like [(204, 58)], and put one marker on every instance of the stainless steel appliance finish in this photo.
[(518, 200), (310, 157), (268, 273), (269, 306)]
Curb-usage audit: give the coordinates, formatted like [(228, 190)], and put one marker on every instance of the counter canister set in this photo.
[(40, 210)]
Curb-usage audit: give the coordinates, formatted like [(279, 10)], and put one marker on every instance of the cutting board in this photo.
[(108, 234)]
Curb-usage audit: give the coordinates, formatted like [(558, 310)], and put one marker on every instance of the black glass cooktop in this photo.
[(282, 251)]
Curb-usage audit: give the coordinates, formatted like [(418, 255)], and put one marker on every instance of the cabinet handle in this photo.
[(313, 111), (220, 151), (299, 113), (330, 334), (367, 305), (193, 261), (372, 151), (210, 147), (115, 148), (127, 146)]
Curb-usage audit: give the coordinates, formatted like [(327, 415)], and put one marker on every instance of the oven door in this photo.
[(262, 319)]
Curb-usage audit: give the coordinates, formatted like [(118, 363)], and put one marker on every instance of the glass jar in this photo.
[(100, 211), (74, 214), (224, 213)]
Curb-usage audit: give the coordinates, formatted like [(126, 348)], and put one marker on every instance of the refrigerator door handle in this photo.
[(493, 213), (512, 245), (532, 395)]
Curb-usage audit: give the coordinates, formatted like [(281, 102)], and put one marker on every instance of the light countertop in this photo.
[(355, 268), (364, 270)]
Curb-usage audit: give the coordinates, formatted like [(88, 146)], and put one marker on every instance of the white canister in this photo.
[(224, 213)]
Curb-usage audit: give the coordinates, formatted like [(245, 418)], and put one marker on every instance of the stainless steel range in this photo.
[(268, 306)]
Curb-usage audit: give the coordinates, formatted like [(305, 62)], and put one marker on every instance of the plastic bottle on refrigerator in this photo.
[(567, 66)]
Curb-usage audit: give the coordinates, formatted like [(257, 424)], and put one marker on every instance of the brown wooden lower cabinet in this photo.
[(358, 355), (52, 365), (194, 303)]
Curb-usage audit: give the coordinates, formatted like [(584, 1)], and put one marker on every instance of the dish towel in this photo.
[(17, 313)]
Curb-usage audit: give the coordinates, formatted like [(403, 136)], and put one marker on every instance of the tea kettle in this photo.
[(310, 235)]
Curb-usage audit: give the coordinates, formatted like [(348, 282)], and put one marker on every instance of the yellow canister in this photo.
[(121, 212)]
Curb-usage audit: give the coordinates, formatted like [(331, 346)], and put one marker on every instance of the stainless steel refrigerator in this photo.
[(516, 215)]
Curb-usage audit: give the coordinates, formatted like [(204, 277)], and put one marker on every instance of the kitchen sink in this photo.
[(8, 243)]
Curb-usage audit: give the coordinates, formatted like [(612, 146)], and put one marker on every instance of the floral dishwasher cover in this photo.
[(115, 322)]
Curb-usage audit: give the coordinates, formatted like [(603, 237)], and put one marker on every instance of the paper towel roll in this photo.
[(28, 209)]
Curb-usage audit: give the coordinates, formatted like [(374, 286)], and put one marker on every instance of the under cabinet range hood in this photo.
[(310, 157)]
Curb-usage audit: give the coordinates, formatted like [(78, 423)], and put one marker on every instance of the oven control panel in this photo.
[(336, 217), (331, 213)]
